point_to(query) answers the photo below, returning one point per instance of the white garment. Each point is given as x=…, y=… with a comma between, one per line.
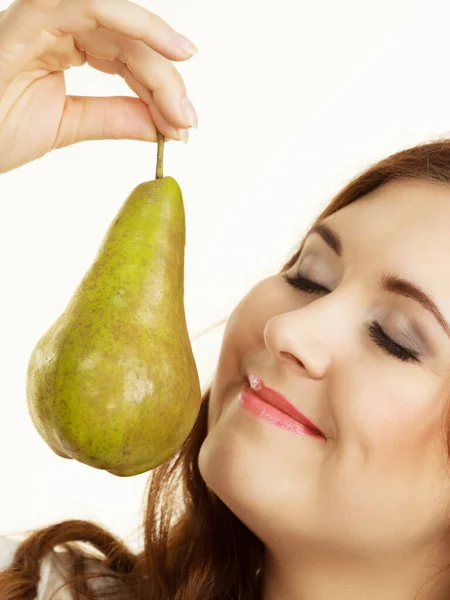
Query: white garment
x=7, y=548
x=52, y=571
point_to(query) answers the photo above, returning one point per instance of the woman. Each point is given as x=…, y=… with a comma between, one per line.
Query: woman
x=354, y=332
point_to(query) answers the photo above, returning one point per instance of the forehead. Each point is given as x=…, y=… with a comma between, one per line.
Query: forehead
x=397, y=217
x=402, y=228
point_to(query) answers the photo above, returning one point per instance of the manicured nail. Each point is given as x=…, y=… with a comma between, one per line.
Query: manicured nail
x=184, y=135
x=189, y=112
x=183, y=43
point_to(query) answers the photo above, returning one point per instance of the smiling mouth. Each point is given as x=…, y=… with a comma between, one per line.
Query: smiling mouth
x=281, y=403
x=252, y=401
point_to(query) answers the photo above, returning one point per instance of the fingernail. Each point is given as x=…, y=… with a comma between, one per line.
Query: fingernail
x=183, y=43
x=189, y=112
x=184, y=135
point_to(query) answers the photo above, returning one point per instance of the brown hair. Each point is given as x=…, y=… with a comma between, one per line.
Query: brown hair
x=203, y=551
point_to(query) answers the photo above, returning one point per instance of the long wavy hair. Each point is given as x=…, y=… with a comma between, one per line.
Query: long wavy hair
x=196, y=550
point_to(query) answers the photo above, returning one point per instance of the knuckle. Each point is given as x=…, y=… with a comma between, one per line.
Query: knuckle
x=175, y=75
x=155, y=21
x=95, y=7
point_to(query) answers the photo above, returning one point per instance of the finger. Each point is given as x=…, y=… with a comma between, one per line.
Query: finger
x=152, y=70
x=125, y=18
x=117, y=67
x=20, y=27
x=161, y=123
x=95, y=118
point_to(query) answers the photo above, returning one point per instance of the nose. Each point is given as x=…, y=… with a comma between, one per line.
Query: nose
x=292, y=343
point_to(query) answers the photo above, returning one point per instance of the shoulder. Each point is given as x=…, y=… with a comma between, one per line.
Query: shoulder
x=50, y=572
x=56, y=568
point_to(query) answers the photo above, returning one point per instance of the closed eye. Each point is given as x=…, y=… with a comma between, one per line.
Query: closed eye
x=376, y=333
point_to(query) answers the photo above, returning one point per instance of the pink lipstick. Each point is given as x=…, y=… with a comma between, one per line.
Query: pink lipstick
x=270, y=405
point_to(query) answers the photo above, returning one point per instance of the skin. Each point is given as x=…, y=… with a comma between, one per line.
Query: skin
x=362, y=513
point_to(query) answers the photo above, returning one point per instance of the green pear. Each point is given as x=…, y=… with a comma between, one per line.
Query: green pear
x=113, y=383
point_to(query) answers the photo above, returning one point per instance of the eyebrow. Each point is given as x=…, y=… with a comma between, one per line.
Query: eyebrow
x=389, y=282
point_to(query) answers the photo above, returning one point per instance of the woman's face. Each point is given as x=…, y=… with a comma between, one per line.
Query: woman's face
x=378, y=483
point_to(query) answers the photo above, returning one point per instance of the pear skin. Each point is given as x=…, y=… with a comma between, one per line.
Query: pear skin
x=113, y=383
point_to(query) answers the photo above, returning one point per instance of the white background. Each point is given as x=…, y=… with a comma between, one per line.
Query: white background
x=294, y=98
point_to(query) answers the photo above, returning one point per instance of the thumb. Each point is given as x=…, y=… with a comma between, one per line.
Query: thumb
x=96, y=118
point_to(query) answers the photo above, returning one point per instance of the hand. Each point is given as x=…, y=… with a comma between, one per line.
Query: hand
x=39, y=39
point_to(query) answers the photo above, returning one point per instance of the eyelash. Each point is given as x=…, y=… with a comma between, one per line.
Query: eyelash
x=375, y=331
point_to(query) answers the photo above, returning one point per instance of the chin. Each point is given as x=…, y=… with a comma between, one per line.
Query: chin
x=229, y=465
x=227, y=474
x=222, y=479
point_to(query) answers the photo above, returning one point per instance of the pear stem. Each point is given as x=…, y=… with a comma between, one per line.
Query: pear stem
x=160, y=156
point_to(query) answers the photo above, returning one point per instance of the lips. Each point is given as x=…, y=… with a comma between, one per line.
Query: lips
x=280, y=402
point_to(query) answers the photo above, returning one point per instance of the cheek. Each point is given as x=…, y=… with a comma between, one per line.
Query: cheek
x=244, y=333
x=243, y=340
x=239, y=338
x=398, y=425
